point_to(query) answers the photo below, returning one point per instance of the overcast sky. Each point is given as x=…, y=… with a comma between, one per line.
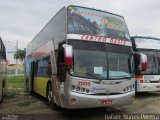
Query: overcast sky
x=22, y=19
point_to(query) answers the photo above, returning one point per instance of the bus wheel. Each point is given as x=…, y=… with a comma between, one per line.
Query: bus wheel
x=50, y=100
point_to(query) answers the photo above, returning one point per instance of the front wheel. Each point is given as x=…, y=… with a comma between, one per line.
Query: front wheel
x=50, y=99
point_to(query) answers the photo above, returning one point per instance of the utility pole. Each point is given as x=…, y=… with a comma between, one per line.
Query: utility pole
x=16, y=72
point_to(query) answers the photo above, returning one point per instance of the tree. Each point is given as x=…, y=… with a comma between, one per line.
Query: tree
x=20, y=54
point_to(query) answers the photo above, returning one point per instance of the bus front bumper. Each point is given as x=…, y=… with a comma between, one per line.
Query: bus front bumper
x=148, y=87
x=76, y=100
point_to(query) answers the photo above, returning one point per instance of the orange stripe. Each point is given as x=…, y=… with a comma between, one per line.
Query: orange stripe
x=141, y=81
x=139, y=76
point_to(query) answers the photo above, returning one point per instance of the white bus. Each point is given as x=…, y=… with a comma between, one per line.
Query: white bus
x=82, y=59
x=148, y=80
x=3, y=70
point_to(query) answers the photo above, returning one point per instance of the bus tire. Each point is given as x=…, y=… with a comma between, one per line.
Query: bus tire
x=50, y=99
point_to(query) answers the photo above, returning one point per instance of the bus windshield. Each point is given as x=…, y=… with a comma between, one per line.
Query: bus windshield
x=153, y=62
x=94, y=22
x=99, y=60
x=151, y=48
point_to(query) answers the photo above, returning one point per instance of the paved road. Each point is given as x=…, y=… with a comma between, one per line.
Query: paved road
x=34, y=108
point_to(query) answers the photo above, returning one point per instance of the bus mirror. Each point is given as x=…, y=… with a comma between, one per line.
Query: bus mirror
x=68, y=55
x=140, y=61
x=143, y=62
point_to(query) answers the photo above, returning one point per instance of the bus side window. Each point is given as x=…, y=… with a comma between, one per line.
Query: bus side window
x=61, y=74
x=42, y=67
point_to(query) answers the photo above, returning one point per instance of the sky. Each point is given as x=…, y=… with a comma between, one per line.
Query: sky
x=21, y=20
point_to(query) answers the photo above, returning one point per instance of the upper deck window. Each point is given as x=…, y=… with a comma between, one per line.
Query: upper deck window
x=147, y=43
x=87, y=21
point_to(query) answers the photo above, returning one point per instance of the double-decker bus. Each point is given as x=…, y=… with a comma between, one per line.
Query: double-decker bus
x=3, y=70
x=148, y=80
x=82, y=59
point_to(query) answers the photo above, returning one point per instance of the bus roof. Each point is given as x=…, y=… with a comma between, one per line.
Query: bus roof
x=65, y=7
x=45, y=26
x=145, y=37
x=97, y=9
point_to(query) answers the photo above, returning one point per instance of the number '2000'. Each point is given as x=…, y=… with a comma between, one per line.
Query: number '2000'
x=84, y=83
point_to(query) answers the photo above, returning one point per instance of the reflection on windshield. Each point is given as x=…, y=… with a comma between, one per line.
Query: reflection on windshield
x=93, y=22
x=93, y=60
x=153, y=62
x=118, y=66
x=90, y=62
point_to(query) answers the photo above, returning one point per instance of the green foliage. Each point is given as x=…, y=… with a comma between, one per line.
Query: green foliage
x=20, y=54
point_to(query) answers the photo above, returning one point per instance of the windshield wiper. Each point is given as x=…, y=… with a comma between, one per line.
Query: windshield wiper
x=122, y=76
x=93, y=76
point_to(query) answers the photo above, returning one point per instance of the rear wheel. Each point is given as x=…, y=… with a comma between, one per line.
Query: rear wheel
x=50, y=99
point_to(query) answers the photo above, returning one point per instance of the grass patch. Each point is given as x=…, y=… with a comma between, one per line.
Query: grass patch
x=15, y=82
x=15, y=86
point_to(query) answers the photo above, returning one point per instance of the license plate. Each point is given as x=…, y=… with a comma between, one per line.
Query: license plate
x=106, y=102
x=158, y=86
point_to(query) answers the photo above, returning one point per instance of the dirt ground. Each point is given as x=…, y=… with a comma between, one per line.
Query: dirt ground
x=32, y=107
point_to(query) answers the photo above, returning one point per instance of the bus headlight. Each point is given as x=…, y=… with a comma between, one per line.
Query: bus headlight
x=128, y=89
x=72, y=87
x=79, y=89
x=87, y=91
x=82, y=89
x=131, y=87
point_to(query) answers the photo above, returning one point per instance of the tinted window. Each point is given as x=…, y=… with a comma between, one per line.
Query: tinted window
x=43, y=67
x=93, y=22
x=103, y=61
